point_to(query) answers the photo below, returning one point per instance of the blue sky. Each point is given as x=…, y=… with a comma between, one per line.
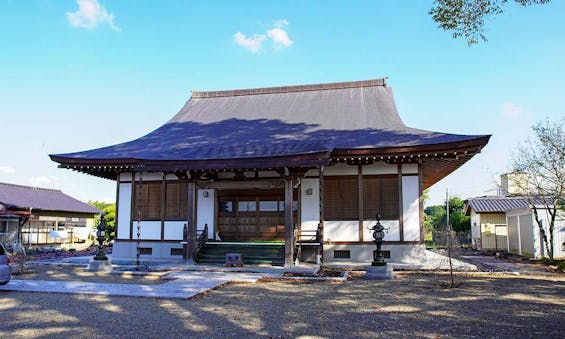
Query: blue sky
x=79, y=77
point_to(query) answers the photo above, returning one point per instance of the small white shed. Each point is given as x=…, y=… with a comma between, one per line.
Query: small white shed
x=524, y=237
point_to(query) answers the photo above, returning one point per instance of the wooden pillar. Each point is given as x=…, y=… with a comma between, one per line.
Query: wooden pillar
x=360, y=199
x=400, y=204
x=191, y=222
x=288, y=223
x=321, y=198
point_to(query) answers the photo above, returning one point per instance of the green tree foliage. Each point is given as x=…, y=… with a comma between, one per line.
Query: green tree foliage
x=466, y=18
x=435, y=216
x=109, y=211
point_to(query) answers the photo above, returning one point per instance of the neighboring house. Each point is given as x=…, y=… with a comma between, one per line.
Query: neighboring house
x=42, y=216
x=507, y=223
x=256, y=164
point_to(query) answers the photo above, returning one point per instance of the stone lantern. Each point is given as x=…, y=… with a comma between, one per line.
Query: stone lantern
x=378, y=236
x=101, y=237
x=100, y=262
x=378, y=269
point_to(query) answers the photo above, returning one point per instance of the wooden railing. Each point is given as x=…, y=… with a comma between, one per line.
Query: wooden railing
x=201, y=240
x=313, y=237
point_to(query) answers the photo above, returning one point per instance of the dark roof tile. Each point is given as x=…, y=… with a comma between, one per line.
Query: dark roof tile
x=276, y=122
x=25, y=197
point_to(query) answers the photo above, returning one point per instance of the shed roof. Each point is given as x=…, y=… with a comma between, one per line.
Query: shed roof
x=292, y=125
x=495, y=204
x=25, y=197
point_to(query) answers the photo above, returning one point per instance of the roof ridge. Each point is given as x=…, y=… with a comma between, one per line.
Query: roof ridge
x=289, y=89
x=32, y=187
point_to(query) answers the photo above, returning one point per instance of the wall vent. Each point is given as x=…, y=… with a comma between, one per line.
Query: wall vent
x=146, y=250
x=342, y=254
x=177, y=252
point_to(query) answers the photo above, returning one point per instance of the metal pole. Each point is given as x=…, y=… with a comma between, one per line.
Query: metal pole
x=449, y=238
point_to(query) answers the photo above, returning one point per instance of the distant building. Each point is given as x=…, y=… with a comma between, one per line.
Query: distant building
x=512, y=184
x=507, y=223
x=33, y=216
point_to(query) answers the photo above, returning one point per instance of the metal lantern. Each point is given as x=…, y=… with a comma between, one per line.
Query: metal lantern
x=101, y=236
x=378, y=235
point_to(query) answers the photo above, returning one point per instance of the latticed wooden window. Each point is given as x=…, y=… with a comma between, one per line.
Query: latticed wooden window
x=148, y=200
x=381, y=196
x=341, y=198
x=176, y=201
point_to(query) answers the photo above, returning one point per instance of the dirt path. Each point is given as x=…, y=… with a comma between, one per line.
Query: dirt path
x=483, y=306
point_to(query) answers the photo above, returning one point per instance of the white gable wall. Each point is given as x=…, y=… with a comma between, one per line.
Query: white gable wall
x=124, y=210
x=205, y=211
x=411, y=207
x=310, y=204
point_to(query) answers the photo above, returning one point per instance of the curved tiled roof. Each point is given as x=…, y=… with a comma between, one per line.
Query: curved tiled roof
x=26, y=197
x=265, y=123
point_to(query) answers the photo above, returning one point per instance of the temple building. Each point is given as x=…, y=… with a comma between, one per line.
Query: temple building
x=302, y=169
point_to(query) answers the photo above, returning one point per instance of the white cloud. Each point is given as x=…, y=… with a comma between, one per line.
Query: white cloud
x=278, y=35
x=510, y=110
x=45, y=182
x=280, y=23
x=90, y=14
x=253, y=43
x=5, y=170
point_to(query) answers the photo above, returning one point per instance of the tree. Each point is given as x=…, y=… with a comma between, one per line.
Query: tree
x=466, y=18
x=540, y=163
x=109, y=211
x=436, y=216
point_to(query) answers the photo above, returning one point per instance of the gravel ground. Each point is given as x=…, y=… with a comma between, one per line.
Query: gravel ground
x=413, y=305
x=77, y=273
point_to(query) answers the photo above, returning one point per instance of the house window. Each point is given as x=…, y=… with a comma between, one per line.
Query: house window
x=226, y=206
x=341, y=198
x=268, y=206
x=246, y=206
x=148, y=200
x=381, y=196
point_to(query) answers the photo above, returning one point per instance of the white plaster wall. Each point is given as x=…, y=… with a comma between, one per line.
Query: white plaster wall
x=393, y=233
x=148, y=176
x=379, y=168
x=475, y=225
x=125, y=176
x=364, y=253
x=205, y=212
x=125, y=252
x=347, y=230
x=411, y=208
x=150, y=230
x=310, y=204
x=340, y=169
x=410, y=168
x=124, y=210
x=312, y=172
x=173, y=230
x=268, y=174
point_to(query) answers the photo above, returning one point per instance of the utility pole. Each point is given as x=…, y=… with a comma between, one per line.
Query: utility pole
x=448, y=225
